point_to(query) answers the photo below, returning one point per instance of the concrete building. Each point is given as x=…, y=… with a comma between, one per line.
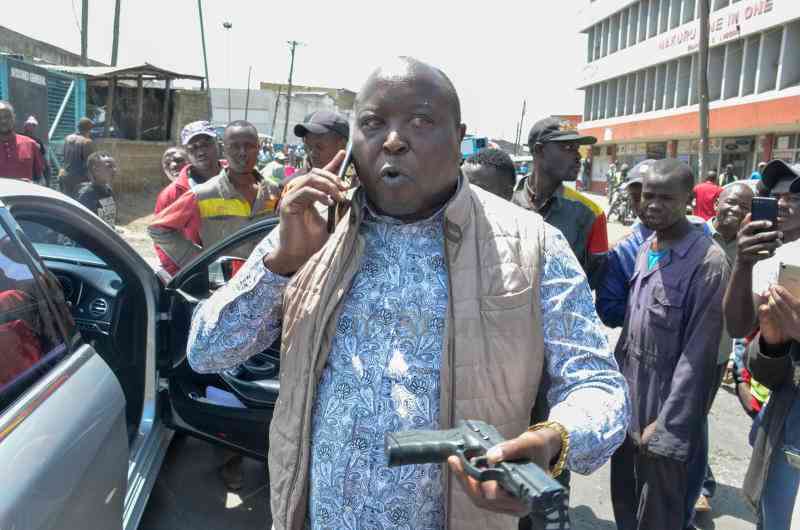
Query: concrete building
x=270, y=118
x=640, y=81
x=34, y=50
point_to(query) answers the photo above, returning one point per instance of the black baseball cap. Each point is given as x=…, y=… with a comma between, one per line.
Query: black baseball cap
x=780, y=177
x=557, y=130
x=321, y=122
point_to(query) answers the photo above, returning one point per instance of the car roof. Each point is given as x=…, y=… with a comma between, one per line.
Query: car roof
x=20, y=188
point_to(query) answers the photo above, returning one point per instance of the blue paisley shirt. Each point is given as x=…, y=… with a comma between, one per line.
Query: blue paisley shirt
x=382, y=373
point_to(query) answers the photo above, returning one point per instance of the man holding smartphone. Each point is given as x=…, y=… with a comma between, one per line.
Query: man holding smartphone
x=431, y=302
x=755, y=300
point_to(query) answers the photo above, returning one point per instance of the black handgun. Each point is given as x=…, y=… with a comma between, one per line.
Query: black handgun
x=469, y=441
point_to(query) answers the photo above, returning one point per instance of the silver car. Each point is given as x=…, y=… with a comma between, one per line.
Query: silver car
x=93, y=376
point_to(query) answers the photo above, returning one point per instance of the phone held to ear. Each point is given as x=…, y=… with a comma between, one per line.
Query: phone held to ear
x=335, y=210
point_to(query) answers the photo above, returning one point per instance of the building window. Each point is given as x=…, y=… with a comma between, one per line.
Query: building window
x=675, y=13
x=653, y=18
x=770, y=57
x=689, y=7
x=633, y=24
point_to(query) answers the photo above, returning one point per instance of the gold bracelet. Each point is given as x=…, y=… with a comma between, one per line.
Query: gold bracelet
x=562, y=457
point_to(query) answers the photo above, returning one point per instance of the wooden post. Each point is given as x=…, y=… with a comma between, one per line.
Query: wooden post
x=112, y=87
x=139, y=106
x=165, y=108
x=115, y=42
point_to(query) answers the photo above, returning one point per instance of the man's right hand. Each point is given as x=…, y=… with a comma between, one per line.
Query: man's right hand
x=303, y=230
x=756, y=241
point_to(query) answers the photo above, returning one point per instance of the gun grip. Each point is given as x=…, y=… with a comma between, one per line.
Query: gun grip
x=480, y=470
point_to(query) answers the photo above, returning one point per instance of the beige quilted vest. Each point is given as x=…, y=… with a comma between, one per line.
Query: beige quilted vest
x=493, y=350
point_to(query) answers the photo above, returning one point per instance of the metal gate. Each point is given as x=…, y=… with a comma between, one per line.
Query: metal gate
x=66, y=104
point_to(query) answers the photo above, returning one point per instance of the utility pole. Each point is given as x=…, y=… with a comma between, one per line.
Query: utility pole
x=702, y=90
x=293, y=44
x=85, y=33
x=275, y=114
x=521, y=125
x=247, y=98
x=115, y=43
x=205, y=58
x=228, y=26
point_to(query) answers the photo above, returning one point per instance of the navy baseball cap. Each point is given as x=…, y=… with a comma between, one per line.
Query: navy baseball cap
x=780, y=177
x=557, y=130
x=321, y=122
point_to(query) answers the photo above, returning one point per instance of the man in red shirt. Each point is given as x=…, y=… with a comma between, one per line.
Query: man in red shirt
x=19, y=155
x=705, y=197
x=200, y=140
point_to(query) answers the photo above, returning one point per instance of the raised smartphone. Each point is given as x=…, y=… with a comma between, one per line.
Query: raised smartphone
x=764, y=209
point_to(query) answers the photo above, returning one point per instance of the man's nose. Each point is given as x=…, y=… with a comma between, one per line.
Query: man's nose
x=395, y=144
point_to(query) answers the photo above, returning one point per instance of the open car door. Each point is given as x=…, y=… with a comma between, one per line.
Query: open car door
x=232, y=408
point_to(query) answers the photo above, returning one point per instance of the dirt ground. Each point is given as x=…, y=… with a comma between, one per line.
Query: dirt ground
x=134, y=213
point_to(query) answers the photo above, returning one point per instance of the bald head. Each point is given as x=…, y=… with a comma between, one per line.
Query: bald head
x=737, y=188
x=733, y=205
x=407, y=139
x=7, y=118
x=6, y=105
x=401, y=71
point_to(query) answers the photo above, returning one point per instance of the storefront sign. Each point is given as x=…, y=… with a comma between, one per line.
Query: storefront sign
x=738, y=145
x=721, y=27
x=737, y=20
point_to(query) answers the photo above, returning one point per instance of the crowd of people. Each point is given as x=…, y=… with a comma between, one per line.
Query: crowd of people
x=450, y=290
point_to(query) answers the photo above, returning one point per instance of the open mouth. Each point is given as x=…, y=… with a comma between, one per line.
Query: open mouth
x=392, y=175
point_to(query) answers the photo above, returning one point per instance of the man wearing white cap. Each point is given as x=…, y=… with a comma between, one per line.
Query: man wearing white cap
x=29, y=130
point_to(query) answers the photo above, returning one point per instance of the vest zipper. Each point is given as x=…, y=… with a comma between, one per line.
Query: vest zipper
x=451, y=366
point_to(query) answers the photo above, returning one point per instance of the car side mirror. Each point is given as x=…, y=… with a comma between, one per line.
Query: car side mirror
x=223, y=269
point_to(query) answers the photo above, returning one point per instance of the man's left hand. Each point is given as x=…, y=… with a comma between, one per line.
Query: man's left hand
x=541, y=447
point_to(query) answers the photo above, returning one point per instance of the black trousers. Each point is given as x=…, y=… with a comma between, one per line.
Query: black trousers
x=648, y=492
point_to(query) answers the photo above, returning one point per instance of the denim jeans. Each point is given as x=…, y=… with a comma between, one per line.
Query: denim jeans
x=780, y=491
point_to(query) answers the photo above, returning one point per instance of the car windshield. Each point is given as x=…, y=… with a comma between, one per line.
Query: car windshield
x=50, y=244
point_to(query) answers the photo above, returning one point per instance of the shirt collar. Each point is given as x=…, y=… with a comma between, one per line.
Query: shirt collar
x=684, y=245
x=549, y=204
x=226, y=188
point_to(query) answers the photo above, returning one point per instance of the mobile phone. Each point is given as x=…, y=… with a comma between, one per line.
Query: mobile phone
x=764, y=209
x=789, y=278
x=334, y=209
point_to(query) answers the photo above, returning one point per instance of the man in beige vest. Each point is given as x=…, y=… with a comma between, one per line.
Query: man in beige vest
x=432, y=302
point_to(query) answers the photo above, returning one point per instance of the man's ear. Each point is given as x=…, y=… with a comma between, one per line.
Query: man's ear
x=462, y=131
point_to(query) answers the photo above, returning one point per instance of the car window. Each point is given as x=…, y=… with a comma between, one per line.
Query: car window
x=30, y=341
x=51, y=243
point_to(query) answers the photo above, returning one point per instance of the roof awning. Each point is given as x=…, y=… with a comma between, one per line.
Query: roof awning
x=146, y=71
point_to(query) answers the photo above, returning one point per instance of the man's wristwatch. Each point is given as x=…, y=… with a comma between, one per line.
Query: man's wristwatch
x=561, y=463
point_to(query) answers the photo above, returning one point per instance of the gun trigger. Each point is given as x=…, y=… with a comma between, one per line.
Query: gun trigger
x=480, y=470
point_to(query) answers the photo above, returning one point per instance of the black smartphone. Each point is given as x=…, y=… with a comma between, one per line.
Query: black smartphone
x=334, y=209
x=764, y=209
